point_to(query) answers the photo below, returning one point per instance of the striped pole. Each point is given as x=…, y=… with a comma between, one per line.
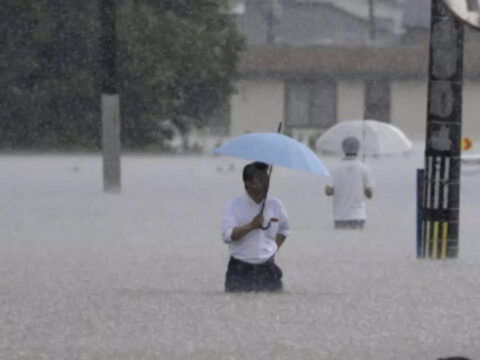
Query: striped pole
x=420, y=244
x=441, y=190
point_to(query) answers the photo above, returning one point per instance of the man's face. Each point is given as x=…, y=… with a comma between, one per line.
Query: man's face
x=257, y=187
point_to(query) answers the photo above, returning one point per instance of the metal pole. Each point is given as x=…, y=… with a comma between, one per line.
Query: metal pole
x=441, y=194
x=420, y=244
x=371, y=16
x=110, y=99
x=270, y=20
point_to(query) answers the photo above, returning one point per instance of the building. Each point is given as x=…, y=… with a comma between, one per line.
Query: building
x=313, y=63
x=312, y=88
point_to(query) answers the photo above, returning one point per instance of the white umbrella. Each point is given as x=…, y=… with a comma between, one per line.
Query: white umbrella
x=376, y=138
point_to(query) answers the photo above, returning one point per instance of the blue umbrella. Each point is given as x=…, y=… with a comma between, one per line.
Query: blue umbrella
x=274, y=149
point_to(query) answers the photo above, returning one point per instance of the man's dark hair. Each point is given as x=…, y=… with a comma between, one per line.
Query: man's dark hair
x=251, y=169
x=350, y=146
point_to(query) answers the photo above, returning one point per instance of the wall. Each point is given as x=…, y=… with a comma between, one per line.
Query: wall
x=471, y=113
x=257, y=106
x=409, y=107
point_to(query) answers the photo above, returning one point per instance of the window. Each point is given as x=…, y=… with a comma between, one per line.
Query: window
x=377, y=100
x=311, y=103
x=298, y=104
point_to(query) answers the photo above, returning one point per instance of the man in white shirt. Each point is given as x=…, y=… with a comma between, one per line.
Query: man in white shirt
x=254, y=227
x=350, y=184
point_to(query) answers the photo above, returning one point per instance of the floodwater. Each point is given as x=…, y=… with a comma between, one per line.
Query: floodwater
x=139, y=275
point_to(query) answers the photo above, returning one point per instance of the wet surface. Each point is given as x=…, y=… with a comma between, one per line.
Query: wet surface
x=139, y=275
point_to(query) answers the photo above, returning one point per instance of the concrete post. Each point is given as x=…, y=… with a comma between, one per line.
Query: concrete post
x=111, y=145
x=111, y=142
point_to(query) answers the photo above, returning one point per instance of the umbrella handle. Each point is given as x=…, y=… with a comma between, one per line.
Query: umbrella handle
x=261, y=211
x=279, y=130
x=266, y=227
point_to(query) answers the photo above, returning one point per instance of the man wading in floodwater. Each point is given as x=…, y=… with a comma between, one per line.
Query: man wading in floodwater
x=350, y=184
x=252, y=241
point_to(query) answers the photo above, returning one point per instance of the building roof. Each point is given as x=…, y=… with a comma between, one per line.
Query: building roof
x=314, y=22
x=346, y=61
x=360, y=8
x=413, y=13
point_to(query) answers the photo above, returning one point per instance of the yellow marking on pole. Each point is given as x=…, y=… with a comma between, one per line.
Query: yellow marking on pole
x=427, y=238
x=435, y=239
x=422, y=241
x=444, y=239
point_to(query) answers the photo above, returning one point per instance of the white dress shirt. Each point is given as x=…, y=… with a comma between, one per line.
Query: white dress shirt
x=258, y=245
x=349, y=181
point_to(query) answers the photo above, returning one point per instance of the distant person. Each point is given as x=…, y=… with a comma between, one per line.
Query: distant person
x=254, y=236
x=350, y=184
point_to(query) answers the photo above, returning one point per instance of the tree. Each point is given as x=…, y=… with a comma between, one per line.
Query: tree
x=176, y=59
x=47, y=75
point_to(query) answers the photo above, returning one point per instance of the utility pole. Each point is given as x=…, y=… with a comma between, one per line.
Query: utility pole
x=371, y=17
x=271, y=12
x=441, y=181
x=111, y=145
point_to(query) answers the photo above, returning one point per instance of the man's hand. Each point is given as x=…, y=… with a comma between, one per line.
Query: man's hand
x=280, y=239
x=329, y=190
x=368, y=193
x=241, y=231
x=257, y=221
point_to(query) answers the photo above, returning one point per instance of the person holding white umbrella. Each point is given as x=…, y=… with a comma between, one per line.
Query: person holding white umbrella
x=349, y=185
x=376, y=138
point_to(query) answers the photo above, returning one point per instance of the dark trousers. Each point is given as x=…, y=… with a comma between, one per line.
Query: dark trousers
x=349, y=224
x=242, y=276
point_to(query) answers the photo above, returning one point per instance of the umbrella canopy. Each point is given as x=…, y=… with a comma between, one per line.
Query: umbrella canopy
x=274, y=149
x=376, y=138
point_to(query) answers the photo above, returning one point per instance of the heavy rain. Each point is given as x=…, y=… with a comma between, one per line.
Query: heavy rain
x=116, y=167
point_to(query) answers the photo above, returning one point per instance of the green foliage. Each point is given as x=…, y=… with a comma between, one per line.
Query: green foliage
x=48, y=94
x=176, y=60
